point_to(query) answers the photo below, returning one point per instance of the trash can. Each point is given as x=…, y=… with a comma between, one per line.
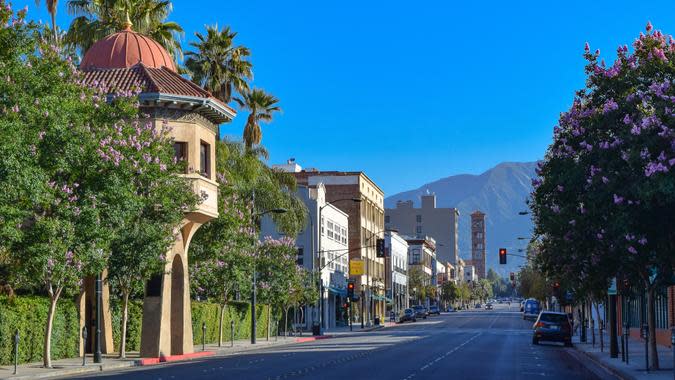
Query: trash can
x=316, y=329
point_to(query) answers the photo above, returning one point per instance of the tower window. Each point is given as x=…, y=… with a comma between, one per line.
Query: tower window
x=205, y=159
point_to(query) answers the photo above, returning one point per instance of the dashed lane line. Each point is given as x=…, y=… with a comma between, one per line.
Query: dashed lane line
x=439, y=358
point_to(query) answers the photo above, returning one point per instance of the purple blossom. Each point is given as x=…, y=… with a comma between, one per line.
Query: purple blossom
x=605, y=180
x=555, y=209
x=626, y=119
x=572, y=222
x=643, y=241
x=16, y=108
x=632, y=250
x=618, y=200
x=609, y=106
x=655, y=167
x=599, y=236
x=561, y=188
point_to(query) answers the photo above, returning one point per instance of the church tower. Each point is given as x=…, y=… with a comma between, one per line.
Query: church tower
x=478, y=243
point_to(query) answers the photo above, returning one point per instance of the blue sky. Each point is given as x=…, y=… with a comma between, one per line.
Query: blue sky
x=413, y=92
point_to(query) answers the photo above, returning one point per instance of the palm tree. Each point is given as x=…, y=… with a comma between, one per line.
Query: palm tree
x=51, y=8
x=218, y=65
x=261, y=106
x=96, y=19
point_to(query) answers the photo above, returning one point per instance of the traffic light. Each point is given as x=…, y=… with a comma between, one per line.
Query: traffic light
x=556, y=285
x=350, y=290
x=513, y=277
x=380, y=247
x=502, y=255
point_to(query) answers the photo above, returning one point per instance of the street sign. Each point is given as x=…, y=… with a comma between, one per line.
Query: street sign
x=356, y=267
x=612, y=287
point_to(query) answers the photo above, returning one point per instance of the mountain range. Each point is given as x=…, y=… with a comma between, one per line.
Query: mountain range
x=500, y=193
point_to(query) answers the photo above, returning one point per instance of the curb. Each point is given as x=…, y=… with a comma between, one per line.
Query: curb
x=313, y=338
x=76, y=371
x=614, y=371
x=173, y=358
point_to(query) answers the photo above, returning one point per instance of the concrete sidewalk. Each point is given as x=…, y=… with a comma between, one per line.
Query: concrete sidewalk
x=635, y=369
x=73, y=366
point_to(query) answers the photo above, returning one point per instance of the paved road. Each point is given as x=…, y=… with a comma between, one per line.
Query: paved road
x=465, y=345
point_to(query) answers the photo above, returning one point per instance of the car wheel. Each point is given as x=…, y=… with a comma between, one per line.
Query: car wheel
x=535, y=341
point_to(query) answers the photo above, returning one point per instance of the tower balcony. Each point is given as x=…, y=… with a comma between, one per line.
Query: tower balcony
x=207, y=190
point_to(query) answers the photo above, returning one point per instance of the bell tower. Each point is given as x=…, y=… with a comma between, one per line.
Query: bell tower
x=478, y=243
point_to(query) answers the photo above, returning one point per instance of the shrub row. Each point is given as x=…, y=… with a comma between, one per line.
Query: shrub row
x=29, y=315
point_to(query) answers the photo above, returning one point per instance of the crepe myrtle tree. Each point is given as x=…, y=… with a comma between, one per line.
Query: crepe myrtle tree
x=76, y=165
x=604, y=202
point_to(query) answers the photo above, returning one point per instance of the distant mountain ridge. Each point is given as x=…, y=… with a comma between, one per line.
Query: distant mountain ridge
x=499, y=192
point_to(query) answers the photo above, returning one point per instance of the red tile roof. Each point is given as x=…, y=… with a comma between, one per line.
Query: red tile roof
x=151, y=80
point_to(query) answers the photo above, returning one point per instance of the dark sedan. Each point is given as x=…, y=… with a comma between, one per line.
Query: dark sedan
x=420, y=311
x=408, y=315
x=554, y=327
x=433, y=309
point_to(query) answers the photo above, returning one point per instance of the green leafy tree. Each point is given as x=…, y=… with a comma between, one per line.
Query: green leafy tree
x=69, y=174
x=261, y=107
x=417, y=283
x=218, y=65
x=95, y=19
x=52, y=6
x=449, y=292
x=605, y=197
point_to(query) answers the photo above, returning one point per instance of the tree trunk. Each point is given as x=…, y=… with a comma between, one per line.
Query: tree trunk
x=651, y=321
x=286, y=323
x=220, y=325
x=123, y=327
x=47, y=349
x=269, y=322
x=56, y=36
x=597, y=312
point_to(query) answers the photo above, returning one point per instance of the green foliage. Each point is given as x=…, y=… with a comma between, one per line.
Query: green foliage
x=218, y=65
x=261, y=107
x=29, y=315
x=96, y=19
x=239, y=312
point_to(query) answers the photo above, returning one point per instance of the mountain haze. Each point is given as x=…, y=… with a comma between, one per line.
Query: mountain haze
x=499, y=192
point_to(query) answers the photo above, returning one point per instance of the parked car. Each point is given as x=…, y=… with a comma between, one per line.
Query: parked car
x=450, y=309
x=552, y=326
x=488, y=306
x=531, y=309
x=478, y=306
x=407, y=315
x=433, y=309
x=420, y=311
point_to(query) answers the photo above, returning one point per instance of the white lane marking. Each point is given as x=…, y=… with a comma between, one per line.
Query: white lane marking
x=429, y=364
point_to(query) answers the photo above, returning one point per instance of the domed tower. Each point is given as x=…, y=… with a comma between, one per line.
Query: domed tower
x=123, y=61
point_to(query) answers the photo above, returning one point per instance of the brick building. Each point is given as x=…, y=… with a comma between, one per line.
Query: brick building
x=478, y=243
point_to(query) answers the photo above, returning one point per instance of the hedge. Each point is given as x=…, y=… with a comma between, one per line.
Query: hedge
x=29, y=315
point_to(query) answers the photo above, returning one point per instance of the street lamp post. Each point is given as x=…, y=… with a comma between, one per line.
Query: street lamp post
x=253, y=290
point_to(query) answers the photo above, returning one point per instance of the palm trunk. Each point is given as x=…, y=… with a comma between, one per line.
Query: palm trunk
x=220, y=325
x=123, y=327
x=47, y=349
x=56, y=36
x=651, y=320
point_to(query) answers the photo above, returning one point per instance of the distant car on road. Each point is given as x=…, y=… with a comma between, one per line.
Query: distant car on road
x=433, y=309
x=488, y=306
x=408, y=315
x=552, y=326
x=420, y=311
x=478, y=306
x=450, y=309
x=531, y=309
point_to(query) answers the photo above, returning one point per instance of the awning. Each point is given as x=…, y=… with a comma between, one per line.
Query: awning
x=338, y=291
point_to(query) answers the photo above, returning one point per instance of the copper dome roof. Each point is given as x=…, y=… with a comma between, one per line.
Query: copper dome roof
x=125, y=49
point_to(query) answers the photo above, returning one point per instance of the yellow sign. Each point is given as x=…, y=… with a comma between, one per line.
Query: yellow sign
x=356, y=267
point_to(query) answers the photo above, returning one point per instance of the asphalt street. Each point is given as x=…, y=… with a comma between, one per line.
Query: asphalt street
x=465, y=345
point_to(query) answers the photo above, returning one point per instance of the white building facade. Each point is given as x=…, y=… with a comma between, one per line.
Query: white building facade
x=397, y=272
x=322, y=248
x=470, y=273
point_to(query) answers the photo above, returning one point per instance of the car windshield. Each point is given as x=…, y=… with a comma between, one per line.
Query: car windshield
x=556, y=318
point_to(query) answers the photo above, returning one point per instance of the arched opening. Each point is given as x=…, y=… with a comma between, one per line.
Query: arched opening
x=177, y=304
